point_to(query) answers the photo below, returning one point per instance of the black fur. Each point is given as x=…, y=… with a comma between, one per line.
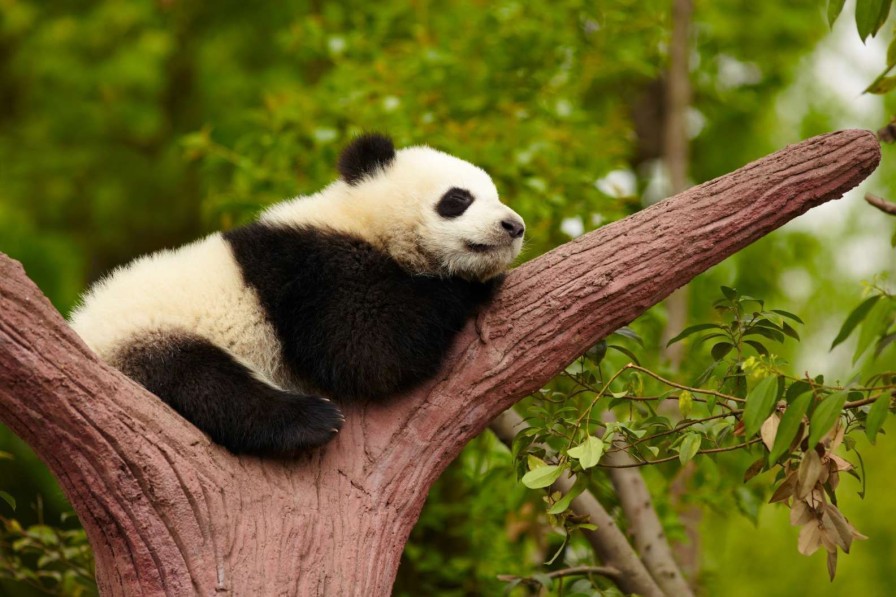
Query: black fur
x=454, y=203
x=222, y=398
x=364, y=156
x=353, y=324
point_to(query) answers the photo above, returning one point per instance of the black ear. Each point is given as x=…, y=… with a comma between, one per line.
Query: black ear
x=364, y=156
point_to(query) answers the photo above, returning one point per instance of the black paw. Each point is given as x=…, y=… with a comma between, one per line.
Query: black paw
x=315, y=423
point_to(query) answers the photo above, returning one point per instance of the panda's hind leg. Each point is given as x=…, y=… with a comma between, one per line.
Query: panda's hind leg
x=223, y=398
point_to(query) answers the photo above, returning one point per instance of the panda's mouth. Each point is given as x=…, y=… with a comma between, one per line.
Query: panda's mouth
x=480, y=248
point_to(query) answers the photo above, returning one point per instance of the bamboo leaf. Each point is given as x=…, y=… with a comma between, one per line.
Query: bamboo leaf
x=835, y=7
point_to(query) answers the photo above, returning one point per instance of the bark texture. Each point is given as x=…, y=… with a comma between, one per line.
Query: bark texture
x=167, y=512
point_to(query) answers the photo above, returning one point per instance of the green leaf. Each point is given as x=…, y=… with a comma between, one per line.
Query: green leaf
x=757, y=346
x=825, y=415
x=854, y=319
x=542, y=476
x=693, y=330
x=881, y=85
x=689, y=447
x=790, y=423
x=872, y=327
x=891, y=54
x=729, y=293
x=790, y=331
x=626, y=352
x=8, y=499
x=870, y=16
x=797, y=388
x=834, y=9
x=787, y=314
x=720, y=350
x=883, y=343
x=685, y=403
x=760, y=402
x=563, y=503
x=876, y=416
x=588, y=453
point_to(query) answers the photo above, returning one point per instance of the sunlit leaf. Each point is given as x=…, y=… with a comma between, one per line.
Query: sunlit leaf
x=689, y=447
x=787, y=314
x=685, y=403
x=542, y=476
x=588, y=453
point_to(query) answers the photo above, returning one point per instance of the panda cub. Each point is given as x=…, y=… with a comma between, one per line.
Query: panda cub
x=353, y=293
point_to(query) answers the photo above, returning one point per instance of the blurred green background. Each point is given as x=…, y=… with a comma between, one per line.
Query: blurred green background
x=127, y=126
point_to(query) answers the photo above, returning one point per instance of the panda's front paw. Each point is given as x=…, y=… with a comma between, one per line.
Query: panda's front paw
x=317, y=420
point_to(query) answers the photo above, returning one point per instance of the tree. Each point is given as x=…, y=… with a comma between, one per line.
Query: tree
x=165, y=510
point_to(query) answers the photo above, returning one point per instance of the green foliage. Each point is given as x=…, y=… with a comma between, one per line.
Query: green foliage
x=128, y=127
x=801, y=421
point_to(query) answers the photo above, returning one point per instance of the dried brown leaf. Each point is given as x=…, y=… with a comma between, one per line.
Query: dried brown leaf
x=809, y=471
x=809, y=540
x=836, y=435
x=754, y=469
x=834, y=518
x=815, y=499
x=834, y=480
x=832, y=564
x=784, y=490
x=841, y=463
x=769, y=430
x=801, y=513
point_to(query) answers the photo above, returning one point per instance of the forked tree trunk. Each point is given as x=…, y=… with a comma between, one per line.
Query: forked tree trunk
x=167, y=512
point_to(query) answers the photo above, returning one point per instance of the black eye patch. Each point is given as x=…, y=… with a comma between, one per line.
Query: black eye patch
x=454, y=203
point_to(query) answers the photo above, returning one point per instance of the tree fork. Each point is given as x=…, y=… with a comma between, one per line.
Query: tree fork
x=168, y=512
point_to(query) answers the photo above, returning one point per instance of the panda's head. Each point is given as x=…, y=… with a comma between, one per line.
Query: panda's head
x=434, y=213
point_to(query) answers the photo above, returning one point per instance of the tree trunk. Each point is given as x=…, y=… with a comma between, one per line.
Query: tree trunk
x=168, y=512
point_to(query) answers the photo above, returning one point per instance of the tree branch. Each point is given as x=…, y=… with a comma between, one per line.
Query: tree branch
x=167, y=511
x=881, y=204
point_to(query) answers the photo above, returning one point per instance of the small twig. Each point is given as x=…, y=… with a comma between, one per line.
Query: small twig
x=682, y=387
x=607, y=571
x=671, y=458
x=882, y=204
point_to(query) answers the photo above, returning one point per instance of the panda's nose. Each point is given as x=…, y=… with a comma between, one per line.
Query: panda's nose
x=514, y=228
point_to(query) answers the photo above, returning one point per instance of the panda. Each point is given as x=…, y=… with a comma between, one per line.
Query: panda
x=354, y=293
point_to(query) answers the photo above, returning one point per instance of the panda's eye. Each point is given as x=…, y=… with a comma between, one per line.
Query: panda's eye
x=454, y=203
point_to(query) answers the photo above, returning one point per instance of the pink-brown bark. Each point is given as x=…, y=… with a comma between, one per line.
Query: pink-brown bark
x=167, y=512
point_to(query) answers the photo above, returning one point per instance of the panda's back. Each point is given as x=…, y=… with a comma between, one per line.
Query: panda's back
x=197, y=289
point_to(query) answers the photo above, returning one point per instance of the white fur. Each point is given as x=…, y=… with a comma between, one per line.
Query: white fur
x=199, y=289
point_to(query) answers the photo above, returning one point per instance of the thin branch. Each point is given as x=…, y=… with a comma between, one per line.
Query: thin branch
x=882, y=204
x=606, y=571
x=673, y=458
x=683, y=387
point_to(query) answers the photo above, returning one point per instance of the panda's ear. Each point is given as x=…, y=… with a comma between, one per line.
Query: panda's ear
x=364, y=156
